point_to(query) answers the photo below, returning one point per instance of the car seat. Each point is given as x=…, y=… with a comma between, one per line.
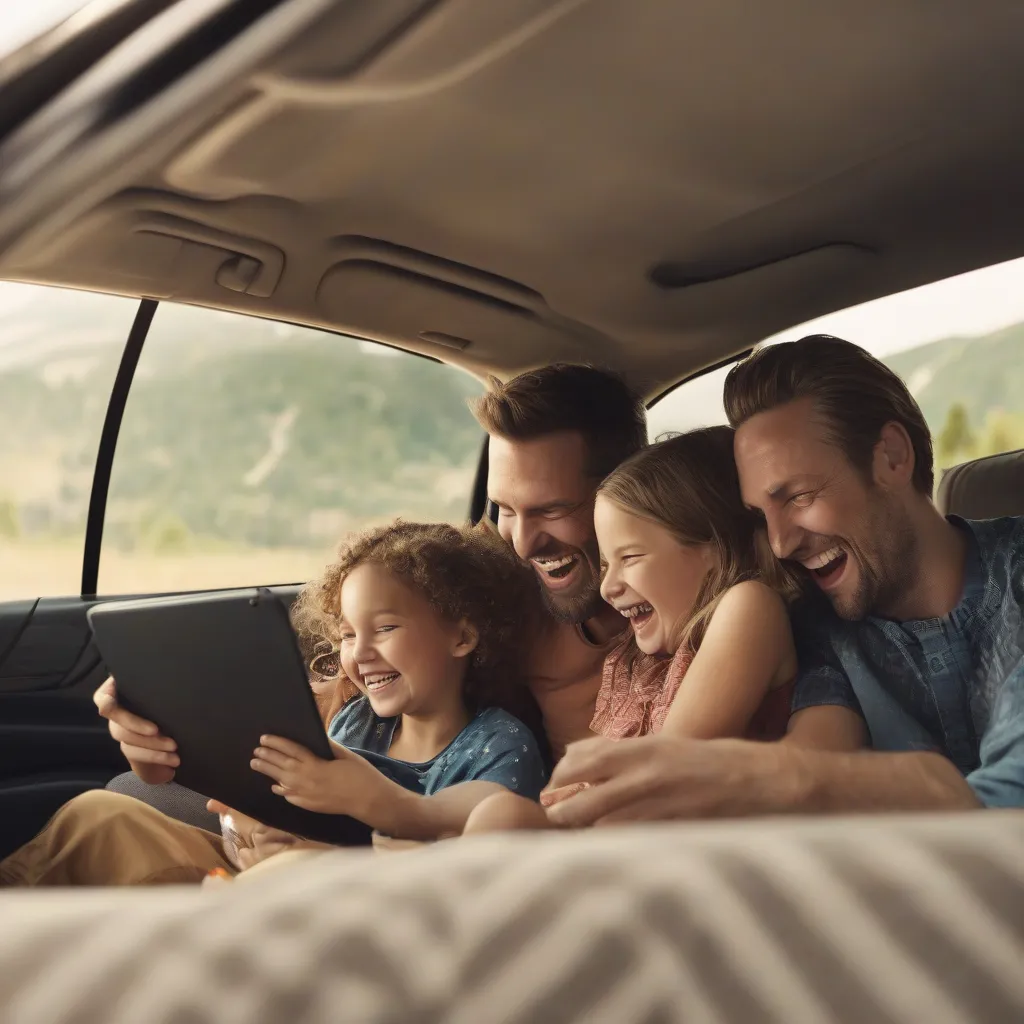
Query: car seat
x=984, y=488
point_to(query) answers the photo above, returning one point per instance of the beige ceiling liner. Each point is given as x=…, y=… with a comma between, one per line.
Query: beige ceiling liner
x=653, y=185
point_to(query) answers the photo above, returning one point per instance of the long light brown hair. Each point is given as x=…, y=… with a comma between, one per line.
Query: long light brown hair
x=688, y=485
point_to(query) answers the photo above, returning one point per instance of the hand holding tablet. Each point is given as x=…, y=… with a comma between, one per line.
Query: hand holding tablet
x=217, y=672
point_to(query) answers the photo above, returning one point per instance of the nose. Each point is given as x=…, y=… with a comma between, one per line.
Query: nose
x=611, y=585
x=524, y=537
x=783, y=534
x=362, y=650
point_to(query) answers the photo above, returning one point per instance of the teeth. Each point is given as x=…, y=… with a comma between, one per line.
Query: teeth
x=382, y=679
x=817, y=561
x=549, y=565
x=634, y=610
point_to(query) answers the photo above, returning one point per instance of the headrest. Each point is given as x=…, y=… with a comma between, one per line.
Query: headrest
x=985, y=488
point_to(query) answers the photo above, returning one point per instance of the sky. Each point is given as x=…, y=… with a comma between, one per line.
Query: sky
x=969, y=305
x=972, y=304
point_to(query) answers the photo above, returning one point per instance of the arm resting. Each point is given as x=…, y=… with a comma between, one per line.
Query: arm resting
x=826, y=782
x=402, y=814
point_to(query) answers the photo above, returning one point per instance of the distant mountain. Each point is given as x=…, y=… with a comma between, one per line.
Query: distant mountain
x=984, y=374
x=239, y=429
x=235, y=430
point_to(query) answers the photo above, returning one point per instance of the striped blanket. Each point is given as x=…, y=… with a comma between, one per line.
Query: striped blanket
x=880, y=920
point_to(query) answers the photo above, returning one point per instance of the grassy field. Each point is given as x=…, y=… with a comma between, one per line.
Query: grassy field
x=52, y=569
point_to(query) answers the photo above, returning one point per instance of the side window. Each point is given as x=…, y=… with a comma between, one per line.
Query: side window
x=694, y=403
x=958, y=344
x=59, y=353
x=249, y=448
x=971, y=391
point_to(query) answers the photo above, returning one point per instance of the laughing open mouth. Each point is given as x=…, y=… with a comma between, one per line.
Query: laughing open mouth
x=379, y=681
x=638, y=614
x=556, y=568
x=828, y=565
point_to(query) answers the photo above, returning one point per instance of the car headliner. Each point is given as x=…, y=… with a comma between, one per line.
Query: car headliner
x=651, y=185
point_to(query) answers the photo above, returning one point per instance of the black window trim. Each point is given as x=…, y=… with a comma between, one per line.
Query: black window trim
x=703, y=372
x=118, y=401
x=108, y=444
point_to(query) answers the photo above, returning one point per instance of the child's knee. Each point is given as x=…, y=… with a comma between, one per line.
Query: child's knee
x=503, y=812
x=76, y=839
x=92, y=809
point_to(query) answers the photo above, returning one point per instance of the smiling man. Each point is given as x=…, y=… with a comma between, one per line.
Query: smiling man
x=554, y=434
x=913, y=636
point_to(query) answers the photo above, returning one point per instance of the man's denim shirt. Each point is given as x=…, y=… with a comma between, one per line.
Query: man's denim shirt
x=954, y=685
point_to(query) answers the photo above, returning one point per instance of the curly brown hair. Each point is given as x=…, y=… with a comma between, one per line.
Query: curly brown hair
x=465, y=574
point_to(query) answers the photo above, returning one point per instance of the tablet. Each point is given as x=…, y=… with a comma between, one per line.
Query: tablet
x=216, y=671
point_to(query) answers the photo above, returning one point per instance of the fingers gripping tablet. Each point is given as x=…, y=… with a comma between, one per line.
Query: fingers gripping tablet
x=215, y=672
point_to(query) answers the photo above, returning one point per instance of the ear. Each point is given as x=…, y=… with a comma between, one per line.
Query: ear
x=893, y=464
x=709, y=557
x=467, y=637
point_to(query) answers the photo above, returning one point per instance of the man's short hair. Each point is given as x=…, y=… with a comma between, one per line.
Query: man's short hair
x=855, y=393
x=568, y=397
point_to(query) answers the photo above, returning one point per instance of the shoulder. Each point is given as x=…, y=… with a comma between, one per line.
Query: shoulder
x=996, y=536
x=354, y=709
x=751, y=601
x=353, y=722
x=1000, y=547
x=499, y=729
x=758, y=617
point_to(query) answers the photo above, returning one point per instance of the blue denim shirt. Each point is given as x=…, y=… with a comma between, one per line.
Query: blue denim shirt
x=953, y=684
x=494, y=747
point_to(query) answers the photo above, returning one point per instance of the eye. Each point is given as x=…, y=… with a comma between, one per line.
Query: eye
x=560, y=511
x=347, y=638
x=801, y=500
x=385, y=629
x=626, y=559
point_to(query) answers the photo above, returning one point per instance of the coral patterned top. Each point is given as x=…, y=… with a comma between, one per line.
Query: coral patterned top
x=637, y=691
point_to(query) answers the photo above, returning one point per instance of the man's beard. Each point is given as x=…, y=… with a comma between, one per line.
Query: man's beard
x=583, y=603
x=888, y=571
x=573, y=609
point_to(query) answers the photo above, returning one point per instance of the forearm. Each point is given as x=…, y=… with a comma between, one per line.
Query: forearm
x=405, y=815
x=821, y=782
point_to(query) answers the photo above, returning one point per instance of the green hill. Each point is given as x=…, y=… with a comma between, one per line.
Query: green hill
x=236, y=430
x=982, y=376
x=246, y=431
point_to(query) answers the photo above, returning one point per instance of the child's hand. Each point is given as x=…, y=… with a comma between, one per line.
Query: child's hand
x=341, y=786
x=252, y=841
x=244, y=825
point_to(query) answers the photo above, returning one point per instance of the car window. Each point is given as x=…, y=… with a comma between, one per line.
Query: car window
x=250, y=447
x=694, y=403
x=59, y=353
x=959, y=345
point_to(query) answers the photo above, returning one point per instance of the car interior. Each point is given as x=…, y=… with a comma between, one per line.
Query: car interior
x=654, y=187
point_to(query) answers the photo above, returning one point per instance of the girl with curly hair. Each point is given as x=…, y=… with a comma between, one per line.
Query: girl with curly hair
x=428, y=625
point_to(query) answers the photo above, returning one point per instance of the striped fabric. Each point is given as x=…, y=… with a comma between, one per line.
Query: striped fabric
x=876, y=920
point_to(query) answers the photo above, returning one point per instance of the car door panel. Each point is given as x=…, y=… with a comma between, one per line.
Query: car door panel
x=53, y=744
x=43, y=647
